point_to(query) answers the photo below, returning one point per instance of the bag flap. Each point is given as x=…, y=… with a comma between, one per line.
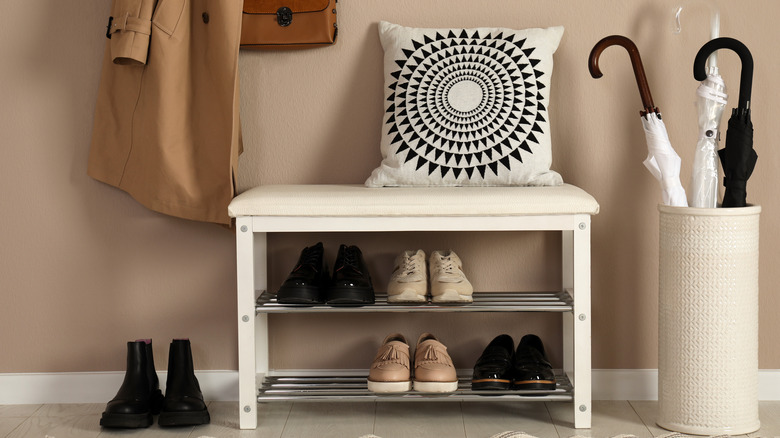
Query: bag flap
x=296, y=6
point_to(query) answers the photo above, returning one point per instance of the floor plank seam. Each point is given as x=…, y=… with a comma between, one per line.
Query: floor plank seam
x=373, y=425
x=644, y=423
x=463, y=421
x=286, y=419
x=17, y=427
x=552, y=421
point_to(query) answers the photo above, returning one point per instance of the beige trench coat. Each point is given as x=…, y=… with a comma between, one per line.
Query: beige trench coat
x=167, y=125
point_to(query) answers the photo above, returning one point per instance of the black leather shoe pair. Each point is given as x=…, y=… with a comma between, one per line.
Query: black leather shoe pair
x=139, y=397
x=501, y=367
x=309, y=282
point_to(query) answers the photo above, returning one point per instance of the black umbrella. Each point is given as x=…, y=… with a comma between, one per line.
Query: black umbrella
x=738, y=157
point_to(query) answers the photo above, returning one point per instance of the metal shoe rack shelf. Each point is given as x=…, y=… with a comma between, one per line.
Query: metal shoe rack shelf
x=258, y=383
x=351, y=387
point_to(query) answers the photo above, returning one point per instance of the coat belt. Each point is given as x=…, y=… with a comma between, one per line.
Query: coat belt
x=132, y=24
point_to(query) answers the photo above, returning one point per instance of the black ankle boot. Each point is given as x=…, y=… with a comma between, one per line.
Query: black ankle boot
x=139, y=396
x=183, y=404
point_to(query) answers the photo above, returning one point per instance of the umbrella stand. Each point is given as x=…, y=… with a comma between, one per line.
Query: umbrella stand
x=662, y=161
x=738, y=157
x=708, y=290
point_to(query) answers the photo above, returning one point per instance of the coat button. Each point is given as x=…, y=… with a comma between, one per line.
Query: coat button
x=205, y=17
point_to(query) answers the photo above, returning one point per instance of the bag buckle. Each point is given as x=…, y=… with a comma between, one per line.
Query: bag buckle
x=108, y=28
x=284, y=16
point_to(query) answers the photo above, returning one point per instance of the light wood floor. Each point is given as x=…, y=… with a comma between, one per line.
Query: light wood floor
x=352, y=420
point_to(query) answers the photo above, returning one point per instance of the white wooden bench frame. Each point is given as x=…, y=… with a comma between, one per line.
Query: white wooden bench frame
x=252, y=279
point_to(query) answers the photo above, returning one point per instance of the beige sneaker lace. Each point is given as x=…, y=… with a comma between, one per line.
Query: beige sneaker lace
x=409, y=267
x=448, y=266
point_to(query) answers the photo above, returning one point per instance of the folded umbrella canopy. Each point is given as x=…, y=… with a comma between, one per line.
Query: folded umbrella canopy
x=711, y=100
x=738, y=157
x=662, y=161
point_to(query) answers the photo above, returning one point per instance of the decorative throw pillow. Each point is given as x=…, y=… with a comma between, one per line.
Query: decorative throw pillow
x=466, y=107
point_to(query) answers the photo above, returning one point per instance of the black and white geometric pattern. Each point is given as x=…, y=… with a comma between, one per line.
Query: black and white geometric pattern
x=466, y=107
x=466, y=103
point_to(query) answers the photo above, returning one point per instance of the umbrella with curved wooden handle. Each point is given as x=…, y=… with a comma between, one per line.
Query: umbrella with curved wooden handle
x=636, y=62
x=662, y=161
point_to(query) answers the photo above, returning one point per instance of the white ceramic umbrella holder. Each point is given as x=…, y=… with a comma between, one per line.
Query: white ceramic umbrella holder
x=708, y=320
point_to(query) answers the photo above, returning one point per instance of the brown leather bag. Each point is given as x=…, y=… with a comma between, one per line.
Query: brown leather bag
x=288, y=24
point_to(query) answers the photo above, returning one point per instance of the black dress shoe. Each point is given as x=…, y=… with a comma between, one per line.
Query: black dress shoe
x=139, y=396
x=351, y=283
x=532, y=369
x=493, y=369
x=307, y=282
x=183, y=404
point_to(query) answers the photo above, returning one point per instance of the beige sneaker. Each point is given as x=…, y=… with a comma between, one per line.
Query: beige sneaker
x=433, y=368
x=390, y=371
x=448, y=282
x=409, y=282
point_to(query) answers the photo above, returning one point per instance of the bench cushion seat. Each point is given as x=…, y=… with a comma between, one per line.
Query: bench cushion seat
x=360, y=201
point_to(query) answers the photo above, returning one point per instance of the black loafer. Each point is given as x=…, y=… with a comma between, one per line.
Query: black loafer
x=532, y=369
x=351, y=283
x=493, y=369
x=307, y=282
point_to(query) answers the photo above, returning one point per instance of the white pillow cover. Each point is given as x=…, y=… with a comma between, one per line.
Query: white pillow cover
x=466, y=107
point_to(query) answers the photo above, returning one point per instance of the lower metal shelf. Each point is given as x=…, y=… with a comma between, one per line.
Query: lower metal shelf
x=354, y=388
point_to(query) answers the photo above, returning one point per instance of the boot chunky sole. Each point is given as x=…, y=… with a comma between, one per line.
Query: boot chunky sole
x=126, y=421
x=188, y=418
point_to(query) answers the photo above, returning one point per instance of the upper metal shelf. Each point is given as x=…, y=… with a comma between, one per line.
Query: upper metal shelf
x=483, y=302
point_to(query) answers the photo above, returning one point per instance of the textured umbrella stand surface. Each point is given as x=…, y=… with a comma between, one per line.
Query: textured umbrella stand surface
x=708, y=305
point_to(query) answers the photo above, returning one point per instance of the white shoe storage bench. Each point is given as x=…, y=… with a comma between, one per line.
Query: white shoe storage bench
x=355, y=208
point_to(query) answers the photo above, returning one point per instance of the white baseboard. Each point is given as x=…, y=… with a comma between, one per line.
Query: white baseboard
x=643, y=384
x=624, y=384
x=99, y=387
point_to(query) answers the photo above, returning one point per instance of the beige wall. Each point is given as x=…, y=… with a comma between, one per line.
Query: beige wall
x=83, y=268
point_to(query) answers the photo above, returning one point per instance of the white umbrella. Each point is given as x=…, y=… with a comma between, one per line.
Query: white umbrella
x=662, y=161
x=711, y=101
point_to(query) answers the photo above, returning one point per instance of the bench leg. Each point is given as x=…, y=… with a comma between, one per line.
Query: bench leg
x=249, y=267
x=577, y=325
